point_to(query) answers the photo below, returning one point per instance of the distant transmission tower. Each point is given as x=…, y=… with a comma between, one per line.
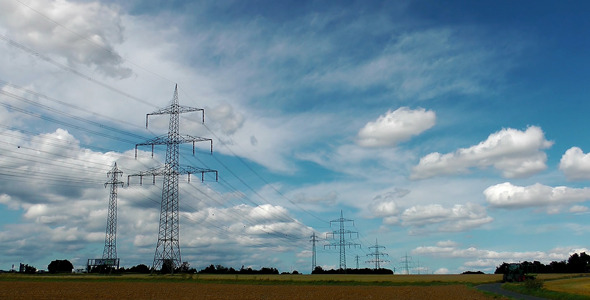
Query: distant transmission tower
x=342, y=243
x=110, y=240
x=314, y=239
x=356, y=258
x=406, y=263
x=376, y=255
x=168, y=247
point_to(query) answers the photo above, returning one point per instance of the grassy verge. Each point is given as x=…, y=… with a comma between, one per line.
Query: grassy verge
x=538, y=291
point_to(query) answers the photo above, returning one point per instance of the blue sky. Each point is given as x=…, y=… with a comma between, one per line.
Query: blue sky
x=454, y=134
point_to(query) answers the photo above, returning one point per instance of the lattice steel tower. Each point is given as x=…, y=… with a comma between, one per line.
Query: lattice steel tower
x=376, y=255
x=342, y=243
x=168, y=247
x=314, y=239
x=110, y=240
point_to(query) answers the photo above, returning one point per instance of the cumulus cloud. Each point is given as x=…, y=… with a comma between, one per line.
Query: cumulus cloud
x=395, y=127
x=457, y=218
x=515, y=153
x=383, y=205
x=575, y=164
x=488, y=260
x=80, y=33
x=507, y=195
x=225, y=118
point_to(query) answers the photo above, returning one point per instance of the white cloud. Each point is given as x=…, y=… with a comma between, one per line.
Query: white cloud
x=575, y=164
x=458, y=218
x=97, y=28
x=227, y=119
x=318, y=197
x=488, y=260
x=384, y=205
x=442, y=271
x=507, y=195
x=383, y=208
x=7, y=200
x=578, y=209
x=516, y=153
x=395, y=127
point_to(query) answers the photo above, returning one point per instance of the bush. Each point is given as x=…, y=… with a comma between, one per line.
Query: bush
x=533, y=284
x=141, y=268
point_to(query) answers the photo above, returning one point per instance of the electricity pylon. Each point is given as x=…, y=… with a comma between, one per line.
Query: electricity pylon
x=314, y=238
x=110, y=240
x=376, y=255
x=342, y=243
x=406, y=263
x=168, y=248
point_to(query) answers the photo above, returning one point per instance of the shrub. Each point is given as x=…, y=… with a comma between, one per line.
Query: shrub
x=533, y=284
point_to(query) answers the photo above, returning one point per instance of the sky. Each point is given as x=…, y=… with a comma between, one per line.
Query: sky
x=453, y=134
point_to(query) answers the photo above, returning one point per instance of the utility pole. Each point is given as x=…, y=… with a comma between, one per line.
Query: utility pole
x=342, y=243
x=376, y=254
x=313, y=255
x=110, y=240
x=357, y=261
x=167, y=254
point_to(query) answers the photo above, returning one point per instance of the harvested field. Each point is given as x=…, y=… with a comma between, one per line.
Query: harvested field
x=198, y=290
x=579, y=286
x=362, y=279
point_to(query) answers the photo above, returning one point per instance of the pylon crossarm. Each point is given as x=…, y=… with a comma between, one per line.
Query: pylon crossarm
x=198, y=139
x=165, y=140
x=194, y=170
x=182, y=170
x=172, y=109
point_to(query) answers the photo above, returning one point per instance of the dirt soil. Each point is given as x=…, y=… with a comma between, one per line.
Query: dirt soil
x=187, y=290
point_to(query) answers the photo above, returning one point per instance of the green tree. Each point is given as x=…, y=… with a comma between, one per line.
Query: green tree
x=60, y=266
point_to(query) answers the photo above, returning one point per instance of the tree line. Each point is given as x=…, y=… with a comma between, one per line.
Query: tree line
x=185, y=268
x=320, y=270
x=576, y=263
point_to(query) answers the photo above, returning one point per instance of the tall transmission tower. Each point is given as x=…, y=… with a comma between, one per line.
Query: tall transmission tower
x=342, y=243
x=314, y=239
x=168, y=248
x=376, y=255
x=110, y=240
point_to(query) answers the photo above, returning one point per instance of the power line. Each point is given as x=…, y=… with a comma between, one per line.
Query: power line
x=75, y=72
x=35, y=53
x=94, y=43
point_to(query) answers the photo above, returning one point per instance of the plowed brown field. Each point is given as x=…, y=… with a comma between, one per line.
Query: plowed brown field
x=189, y=290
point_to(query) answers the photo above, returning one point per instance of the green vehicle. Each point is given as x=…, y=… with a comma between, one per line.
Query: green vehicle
x=516, y=273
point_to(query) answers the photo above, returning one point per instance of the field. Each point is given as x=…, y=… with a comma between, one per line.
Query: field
x=17, y=286
x=186, y=290
x=243, y=287
x=580, y=286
